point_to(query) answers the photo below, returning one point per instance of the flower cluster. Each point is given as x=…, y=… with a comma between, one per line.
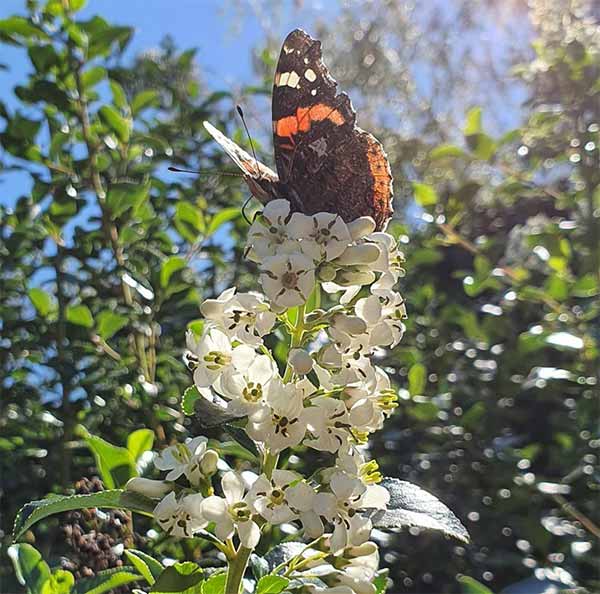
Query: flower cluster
x=328, y=395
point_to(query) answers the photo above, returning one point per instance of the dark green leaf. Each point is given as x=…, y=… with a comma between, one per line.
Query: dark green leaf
x=107, y=580
x=35, y=511
x=472, y=586
x=410, y=505
x=242, y=438
x=169, y=267
x=144, y=99
x=180, y=577
x=93, y=76
x=21, y=27
x=145, y=565
x=222, y=217
x=109, y=323
x=124, y=196
x=271, y=584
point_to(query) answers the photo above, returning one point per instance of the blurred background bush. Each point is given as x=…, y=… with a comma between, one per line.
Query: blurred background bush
x=490, y=114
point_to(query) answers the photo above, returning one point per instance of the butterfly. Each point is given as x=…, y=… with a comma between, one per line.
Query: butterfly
x=324, y=161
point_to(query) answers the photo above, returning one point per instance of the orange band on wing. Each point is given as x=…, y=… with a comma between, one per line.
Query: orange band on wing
x=301, y=122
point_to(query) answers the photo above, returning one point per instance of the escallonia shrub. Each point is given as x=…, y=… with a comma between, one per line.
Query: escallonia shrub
x=330, y=397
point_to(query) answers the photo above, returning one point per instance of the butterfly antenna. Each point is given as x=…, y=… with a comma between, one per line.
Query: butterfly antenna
x=244, y=210
x=241, y=114
x=206, y=171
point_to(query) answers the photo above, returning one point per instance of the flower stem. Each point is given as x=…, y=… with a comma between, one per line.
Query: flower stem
x=236, y=570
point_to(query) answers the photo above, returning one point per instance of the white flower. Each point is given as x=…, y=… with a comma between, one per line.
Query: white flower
x=180, y=517
x=341, y=506
x=242, y=316
x=246, y=383
x=148, y=487
x=300, y=498
x=322, y=236
x=327, y=421
x=232, y=513
x=301, y=361
x=361, y=227
x=383, y=318
x=268, y=497
x=193, y=459
x=389, y=263
x=288, y=279
x=281, y=424
x=360, y=570
x=268, y=234
x=211, y=355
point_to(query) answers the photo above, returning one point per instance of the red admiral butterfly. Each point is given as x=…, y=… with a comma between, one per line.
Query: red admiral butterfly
x=324, y=161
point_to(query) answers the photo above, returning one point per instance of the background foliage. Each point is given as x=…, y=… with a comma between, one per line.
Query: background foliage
x=106, y=256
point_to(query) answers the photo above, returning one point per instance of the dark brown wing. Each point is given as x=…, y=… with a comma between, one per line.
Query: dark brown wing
x=324, y=161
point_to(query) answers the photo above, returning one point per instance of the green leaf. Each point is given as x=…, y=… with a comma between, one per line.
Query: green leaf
x=473, y=122
x=106, y=580
x=242, y=438
x=444, y=151
x=43, y=57
x=116, y=464
x=16, y=25
x=410, y=505
x=140, y=441
x=77, y=36
x=169, y=267
x=80, y=315
x=93, y=76
x=60, y=582
x=34, y=511
x=196, y=326
x=189, y=221
x=42, y=301
x=115, y=121
x=180, y=577
x=271, y=584
x=586, y=286
x=124, y=196
x=381, y=582
x=472, y=586
x=145, y=565
x=144, y=99
x=188, y=400
x=31, y=570
x=215, y=584
x=119, y=97
x=425, y=195
x=222, y=217
x=109, y=323
x=417, y=379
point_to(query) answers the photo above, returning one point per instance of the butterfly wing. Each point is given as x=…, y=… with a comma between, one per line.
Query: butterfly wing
x=262, y=180
x=325, y=162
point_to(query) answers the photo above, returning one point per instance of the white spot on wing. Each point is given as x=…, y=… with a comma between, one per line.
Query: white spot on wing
x=310, y=75
x=313, y=92
x=283, y=79
x=293, y=80
x=287, y=50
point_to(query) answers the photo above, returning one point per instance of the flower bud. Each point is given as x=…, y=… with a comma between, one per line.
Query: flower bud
x=361, y=227
x=326, y=272
x=352, y=325
x=148, y=487
x=347, y=278
x=366, y=253
x=300, y=361
x=208, y=464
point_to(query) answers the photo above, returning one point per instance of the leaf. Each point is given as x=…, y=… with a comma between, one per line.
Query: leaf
x=271, y=584
x=189, y=221
x=144, y=99
x=60, y=582
x=242, y=438
x=446, y=151
x=381, y=582
x=417, y=379
x=17, y=25
x=42, y=57
x=283, y=553
x=585, y=286
x=80, y=315
x=425, y=195
x=106, y=580
x=31, y=570
x=119, y=97
x=259, y=566
x=109, y=323
x=93, y=76
x=472, y=586
x=115, y=121
x=169, y=267
x=410, y=505
x=222, y=217
x=206, y=412
x=140, y=441
x=146, y=565
x=215, y=584
x=473, y=121
x=116, y=464
x=188, y=400
x=179, y=577
x=124, y=196
x=42, y=301
x=34, y=511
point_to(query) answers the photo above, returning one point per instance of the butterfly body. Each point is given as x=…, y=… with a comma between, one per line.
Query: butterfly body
x=324, y=161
